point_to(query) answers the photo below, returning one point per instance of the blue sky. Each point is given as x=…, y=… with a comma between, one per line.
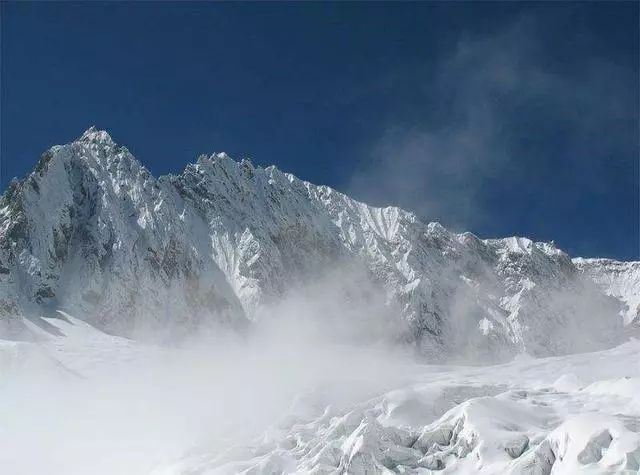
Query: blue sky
x=499, y=118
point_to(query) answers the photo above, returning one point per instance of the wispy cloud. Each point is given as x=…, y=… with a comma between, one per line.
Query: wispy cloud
x=488, y=107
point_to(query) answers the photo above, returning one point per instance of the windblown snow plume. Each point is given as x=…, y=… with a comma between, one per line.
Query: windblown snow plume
x=236, y=319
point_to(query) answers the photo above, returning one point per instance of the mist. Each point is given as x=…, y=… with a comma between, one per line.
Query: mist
x=104, y=404
x=487, y=106
x=129, y=407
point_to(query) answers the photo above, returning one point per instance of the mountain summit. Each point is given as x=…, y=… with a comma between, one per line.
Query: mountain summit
x=90, y=231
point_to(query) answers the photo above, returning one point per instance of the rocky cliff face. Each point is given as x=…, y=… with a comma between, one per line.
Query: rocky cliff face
x=90, y=231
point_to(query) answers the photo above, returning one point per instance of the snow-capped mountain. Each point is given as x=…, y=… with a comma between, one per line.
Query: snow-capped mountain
x=92, y=232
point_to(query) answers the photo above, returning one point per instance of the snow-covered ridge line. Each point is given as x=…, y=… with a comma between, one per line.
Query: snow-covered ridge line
x=214, y=244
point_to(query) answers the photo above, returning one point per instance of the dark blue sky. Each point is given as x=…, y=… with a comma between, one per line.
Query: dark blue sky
x=499, y=118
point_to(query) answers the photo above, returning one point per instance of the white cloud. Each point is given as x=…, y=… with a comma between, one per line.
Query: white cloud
x=492, y=93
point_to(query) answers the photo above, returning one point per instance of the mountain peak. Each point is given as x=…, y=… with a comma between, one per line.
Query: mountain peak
x=223, y=238
x=96, y=136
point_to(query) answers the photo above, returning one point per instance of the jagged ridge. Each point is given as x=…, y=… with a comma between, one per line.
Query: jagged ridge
x=92, y=232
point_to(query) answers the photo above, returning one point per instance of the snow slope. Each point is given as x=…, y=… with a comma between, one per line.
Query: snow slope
x=111, y=405
x=563, y=415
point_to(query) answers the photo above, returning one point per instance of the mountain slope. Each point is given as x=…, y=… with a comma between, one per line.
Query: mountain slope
x=90, y=231
x=619, y=279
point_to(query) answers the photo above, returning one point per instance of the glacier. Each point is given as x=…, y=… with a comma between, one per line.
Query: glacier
x=90, y=402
